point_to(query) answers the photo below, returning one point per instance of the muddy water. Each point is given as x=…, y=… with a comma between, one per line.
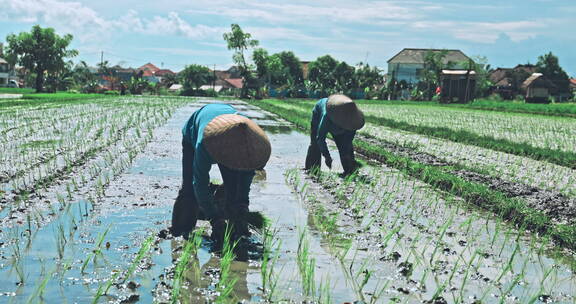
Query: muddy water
x=138, y=204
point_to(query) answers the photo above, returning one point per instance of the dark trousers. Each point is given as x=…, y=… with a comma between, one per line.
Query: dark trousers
x=345, y=149
x=186, y=210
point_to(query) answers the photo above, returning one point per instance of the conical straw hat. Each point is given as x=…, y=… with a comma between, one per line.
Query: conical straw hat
x=236, y=142
x=343, y=112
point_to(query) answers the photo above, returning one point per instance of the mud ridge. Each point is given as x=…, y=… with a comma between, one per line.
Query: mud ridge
x=559, y=207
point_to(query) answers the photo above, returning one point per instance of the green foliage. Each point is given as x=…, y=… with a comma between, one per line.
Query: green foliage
x=260, y=58
x=433, y=65
x=473, y=192
x=480, y=65
x=40, y=51
x=240, y=42
x=321, y=76
x=193, y=76
x=549, y=66
x=137, y=85
x=344, y=76
x=368, y=77
x=16, y=90
x=82, y=75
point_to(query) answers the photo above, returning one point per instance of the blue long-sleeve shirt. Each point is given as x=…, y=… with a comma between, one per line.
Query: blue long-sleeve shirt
x=323, y=125
x=193, y=133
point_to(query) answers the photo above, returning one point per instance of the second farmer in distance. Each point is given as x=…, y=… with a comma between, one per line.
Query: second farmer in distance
x=339, y=116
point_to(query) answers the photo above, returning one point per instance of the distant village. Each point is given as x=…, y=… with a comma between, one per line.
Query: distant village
x=404, y=74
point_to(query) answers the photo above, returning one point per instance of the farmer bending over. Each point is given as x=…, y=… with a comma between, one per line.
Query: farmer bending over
x=339, y=116
x=217, y=134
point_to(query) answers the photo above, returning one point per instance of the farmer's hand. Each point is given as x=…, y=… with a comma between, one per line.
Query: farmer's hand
x=328, y=161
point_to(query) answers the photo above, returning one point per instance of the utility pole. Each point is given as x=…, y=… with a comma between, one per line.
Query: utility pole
x=101, y=59
x=214, y=79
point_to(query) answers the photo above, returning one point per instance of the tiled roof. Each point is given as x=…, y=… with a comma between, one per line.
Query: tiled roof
x=149, y=66
x=164, y=72
x=418, y=55
x=147, y=73
x=235, y=82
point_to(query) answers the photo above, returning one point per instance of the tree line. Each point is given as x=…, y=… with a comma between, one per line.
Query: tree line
x=43, y=54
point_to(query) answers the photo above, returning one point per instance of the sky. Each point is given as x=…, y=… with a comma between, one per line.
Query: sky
x=172, y=34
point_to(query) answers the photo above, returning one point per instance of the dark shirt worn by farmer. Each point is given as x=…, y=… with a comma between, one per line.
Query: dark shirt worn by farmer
x=197, y=160
x=342, y=132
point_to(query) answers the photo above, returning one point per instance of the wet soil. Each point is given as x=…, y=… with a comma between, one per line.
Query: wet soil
x=104, y=233
x=561, y=208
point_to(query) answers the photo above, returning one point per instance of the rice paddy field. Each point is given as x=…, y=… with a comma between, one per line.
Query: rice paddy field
x=451, y=205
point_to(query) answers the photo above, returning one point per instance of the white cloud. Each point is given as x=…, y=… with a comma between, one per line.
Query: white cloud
x=331, y=13
x=89, y=26
x=483, y=32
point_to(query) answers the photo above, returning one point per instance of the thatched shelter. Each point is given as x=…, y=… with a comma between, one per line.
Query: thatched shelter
x=537, y=88
x=457, y=86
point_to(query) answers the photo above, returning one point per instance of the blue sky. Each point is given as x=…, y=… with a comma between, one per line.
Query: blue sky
x=175, y=33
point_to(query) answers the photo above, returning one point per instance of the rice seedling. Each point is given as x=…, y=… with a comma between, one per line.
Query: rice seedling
x=306, y=264
x=270, y=255
x=227, y=280
x=190, y=248
x=97, y=251
x=39, y=290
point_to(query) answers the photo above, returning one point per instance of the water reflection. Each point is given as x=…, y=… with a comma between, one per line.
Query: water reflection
x=201, y=275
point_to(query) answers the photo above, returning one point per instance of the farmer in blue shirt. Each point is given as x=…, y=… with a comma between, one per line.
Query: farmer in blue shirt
x=217, y=134
x=339, y=116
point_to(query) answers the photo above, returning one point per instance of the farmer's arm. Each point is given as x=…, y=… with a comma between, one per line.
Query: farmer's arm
x=244, y=183
x=315, y=121
x=202, y=165
x=321, y=137
x=348, y=139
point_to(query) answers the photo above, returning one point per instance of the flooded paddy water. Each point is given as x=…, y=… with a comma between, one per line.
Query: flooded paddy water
x=381, y=237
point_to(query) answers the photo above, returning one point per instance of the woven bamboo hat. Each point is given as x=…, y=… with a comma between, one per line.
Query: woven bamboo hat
x=344, y=113
x=237, y=142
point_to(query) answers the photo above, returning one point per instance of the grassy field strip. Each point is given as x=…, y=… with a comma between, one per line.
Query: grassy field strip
x=25, y=124
x=431, y=246
x=557, y=109
x=507, y=166
x=553, y=133
x=557, y=147
x=355, y=270
x=81, y=255
x=92, y=171
x=475, y=193
x=81, y=133
x=503, y=165
x=78, y=147
x=53, y=145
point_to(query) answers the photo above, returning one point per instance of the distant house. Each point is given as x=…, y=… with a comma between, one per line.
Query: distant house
x=458, y=86
x=175, y=88
x=408, y=64
x=507, y=82
x=148, y=71
x=538, y=88
x=216, y=88
x=162, y=73
x=573, y=86
x=124, y=74
x=305, y=69
x=149, y=67
x=4, y=72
